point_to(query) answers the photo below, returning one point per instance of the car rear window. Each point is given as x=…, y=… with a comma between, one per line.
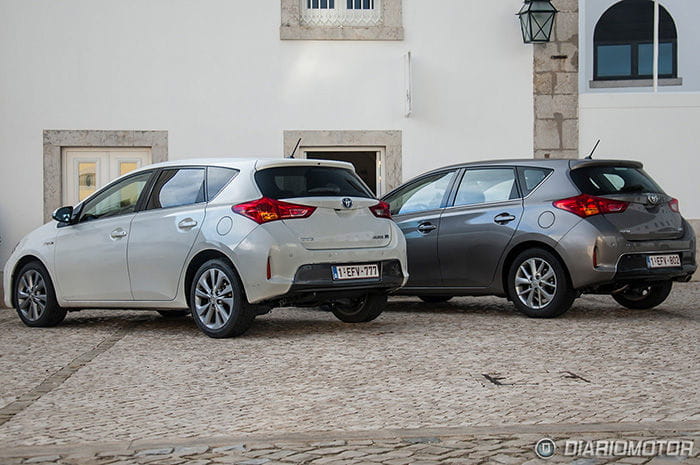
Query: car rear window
x=217, y=178
x=310, y=181
x=530, y=178
x=611, y=180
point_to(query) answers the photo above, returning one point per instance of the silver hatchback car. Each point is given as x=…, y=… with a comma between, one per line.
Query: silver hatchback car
x=542, y=232
x=228, y=238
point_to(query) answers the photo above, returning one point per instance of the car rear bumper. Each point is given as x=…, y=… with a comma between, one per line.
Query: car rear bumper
x=295, y=270
x=633, y=267
x=319, y=278
x=596, y=255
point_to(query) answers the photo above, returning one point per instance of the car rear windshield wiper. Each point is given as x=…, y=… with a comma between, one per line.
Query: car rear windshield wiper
x=633, y=188
x=325, y=190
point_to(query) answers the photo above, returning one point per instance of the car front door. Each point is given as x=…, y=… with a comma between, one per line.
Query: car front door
x=164, y=232
x=416, y=209
x=90, y=254
x=478, y=225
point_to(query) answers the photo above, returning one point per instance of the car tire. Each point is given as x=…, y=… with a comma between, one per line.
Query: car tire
x=538, y=285
x=173, y=313
x=359, y=310
x=35, y=297
x=646, y=297
x=217, y=301
x=434, y=299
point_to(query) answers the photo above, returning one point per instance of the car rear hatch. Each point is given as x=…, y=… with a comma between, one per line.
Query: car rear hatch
x=342, y=218
x=650, y=214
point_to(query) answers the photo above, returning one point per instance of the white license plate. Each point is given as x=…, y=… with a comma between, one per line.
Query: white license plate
x=355, y=271
x=663, y=261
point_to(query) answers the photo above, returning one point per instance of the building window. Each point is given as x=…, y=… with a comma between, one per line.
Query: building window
x=340, y=12
x=376, y=155
x=341, y=20
x=623, y=42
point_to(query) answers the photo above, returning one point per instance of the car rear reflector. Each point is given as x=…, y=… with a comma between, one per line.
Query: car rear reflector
x=674, y=205
x=381, y=210
x=585, y=205
x=264, y=210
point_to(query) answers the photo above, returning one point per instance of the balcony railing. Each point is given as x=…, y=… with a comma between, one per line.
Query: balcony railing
x=335, y=13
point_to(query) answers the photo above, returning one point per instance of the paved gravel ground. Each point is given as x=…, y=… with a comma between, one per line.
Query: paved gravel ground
x=122, y=376
x=452, y=449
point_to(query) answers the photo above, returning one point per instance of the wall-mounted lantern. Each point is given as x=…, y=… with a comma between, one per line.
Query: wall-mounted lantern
x=536, y=20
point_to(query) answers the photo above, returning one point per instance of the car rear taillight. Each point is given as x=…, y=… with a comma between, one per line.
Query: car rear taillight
x=585, y=205
x=674, y=206
x=265, y=210
x=381, y=210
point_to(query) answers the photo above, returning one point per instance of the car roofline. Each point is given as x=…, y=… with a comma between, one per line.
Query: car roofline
x=245, y=163
x=549, y=163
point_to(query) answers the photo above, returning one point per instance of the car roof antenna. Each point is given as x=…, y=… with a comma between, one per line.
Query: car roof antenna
x=291, y=155
x=590, y=156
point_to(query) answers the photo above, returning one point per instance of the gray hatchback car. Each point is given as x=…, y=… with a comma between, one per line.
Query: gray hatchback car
x=542, y=232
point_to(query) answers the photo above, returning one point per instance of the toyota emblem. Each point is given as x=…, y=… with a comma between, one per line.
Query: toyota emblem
x=653, y=198
x=347, y=202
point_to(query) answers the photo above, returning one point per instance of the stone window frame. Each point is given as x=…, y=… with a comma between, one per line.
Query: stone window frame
x=389, y=140
x=389, y=28
x=56, y=140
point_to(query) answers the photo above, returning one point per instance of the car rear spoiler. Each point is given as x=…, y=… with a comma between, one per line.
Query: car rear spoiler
x=575, y=164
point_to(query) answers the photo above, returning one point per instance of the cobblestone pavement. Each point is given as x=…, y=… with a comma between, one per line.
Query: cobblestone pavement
x=498, y=449
x=119, y=377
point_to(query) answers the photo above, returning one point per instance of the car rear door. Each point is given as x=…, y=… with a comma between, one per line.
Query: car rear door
x=341, y=218
x=416, y=208
x=650, y=214
x=164, y=232
x=478, y=225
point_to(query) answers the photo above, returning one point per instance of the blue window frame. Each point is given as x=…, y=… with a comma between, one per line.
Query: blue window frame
x=360, y=4
x=320, y=4
x=623, y=42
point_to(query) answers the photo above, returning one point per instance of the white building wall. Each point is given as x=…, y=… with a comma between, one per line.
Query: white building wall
x=216, y=76
x=662, y=131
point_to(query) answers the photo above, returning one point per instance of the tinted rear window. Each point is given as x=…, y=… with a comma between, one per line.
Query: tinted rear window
x=310, y=181
x=530, y=178
x=611, y=180
x=217, y=178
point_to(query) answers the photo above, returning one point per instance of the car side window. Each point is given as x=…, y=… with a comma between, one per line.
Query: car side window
x=217, y=178
x=119, y=199
x=176, y=188
x=530, y=178
x=422, y=195
x=486, y=185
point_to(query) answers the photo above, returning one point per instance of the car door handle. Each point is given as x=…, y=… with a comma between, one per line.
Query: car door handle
x=118, y=233
x=187, y=223
x=504, y=218
x=425, y=228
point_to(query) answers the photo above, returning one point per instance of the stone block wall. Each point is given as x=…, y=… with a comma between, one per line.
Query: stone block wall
x=555, y=86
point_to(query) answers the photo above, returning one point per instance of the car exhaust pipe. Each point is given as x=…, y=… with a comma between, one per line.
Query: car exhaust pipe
x=622, y=289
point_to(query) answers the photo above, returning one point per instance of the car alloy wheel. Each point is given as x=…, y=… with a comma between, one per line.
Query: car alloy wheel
x=536, y=283
x=31, y=295
x=214, y=298
x=34, y=297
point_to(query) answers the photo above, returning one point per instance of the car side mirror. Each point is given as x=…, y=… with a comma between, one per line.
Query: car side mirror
x=63, y=214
